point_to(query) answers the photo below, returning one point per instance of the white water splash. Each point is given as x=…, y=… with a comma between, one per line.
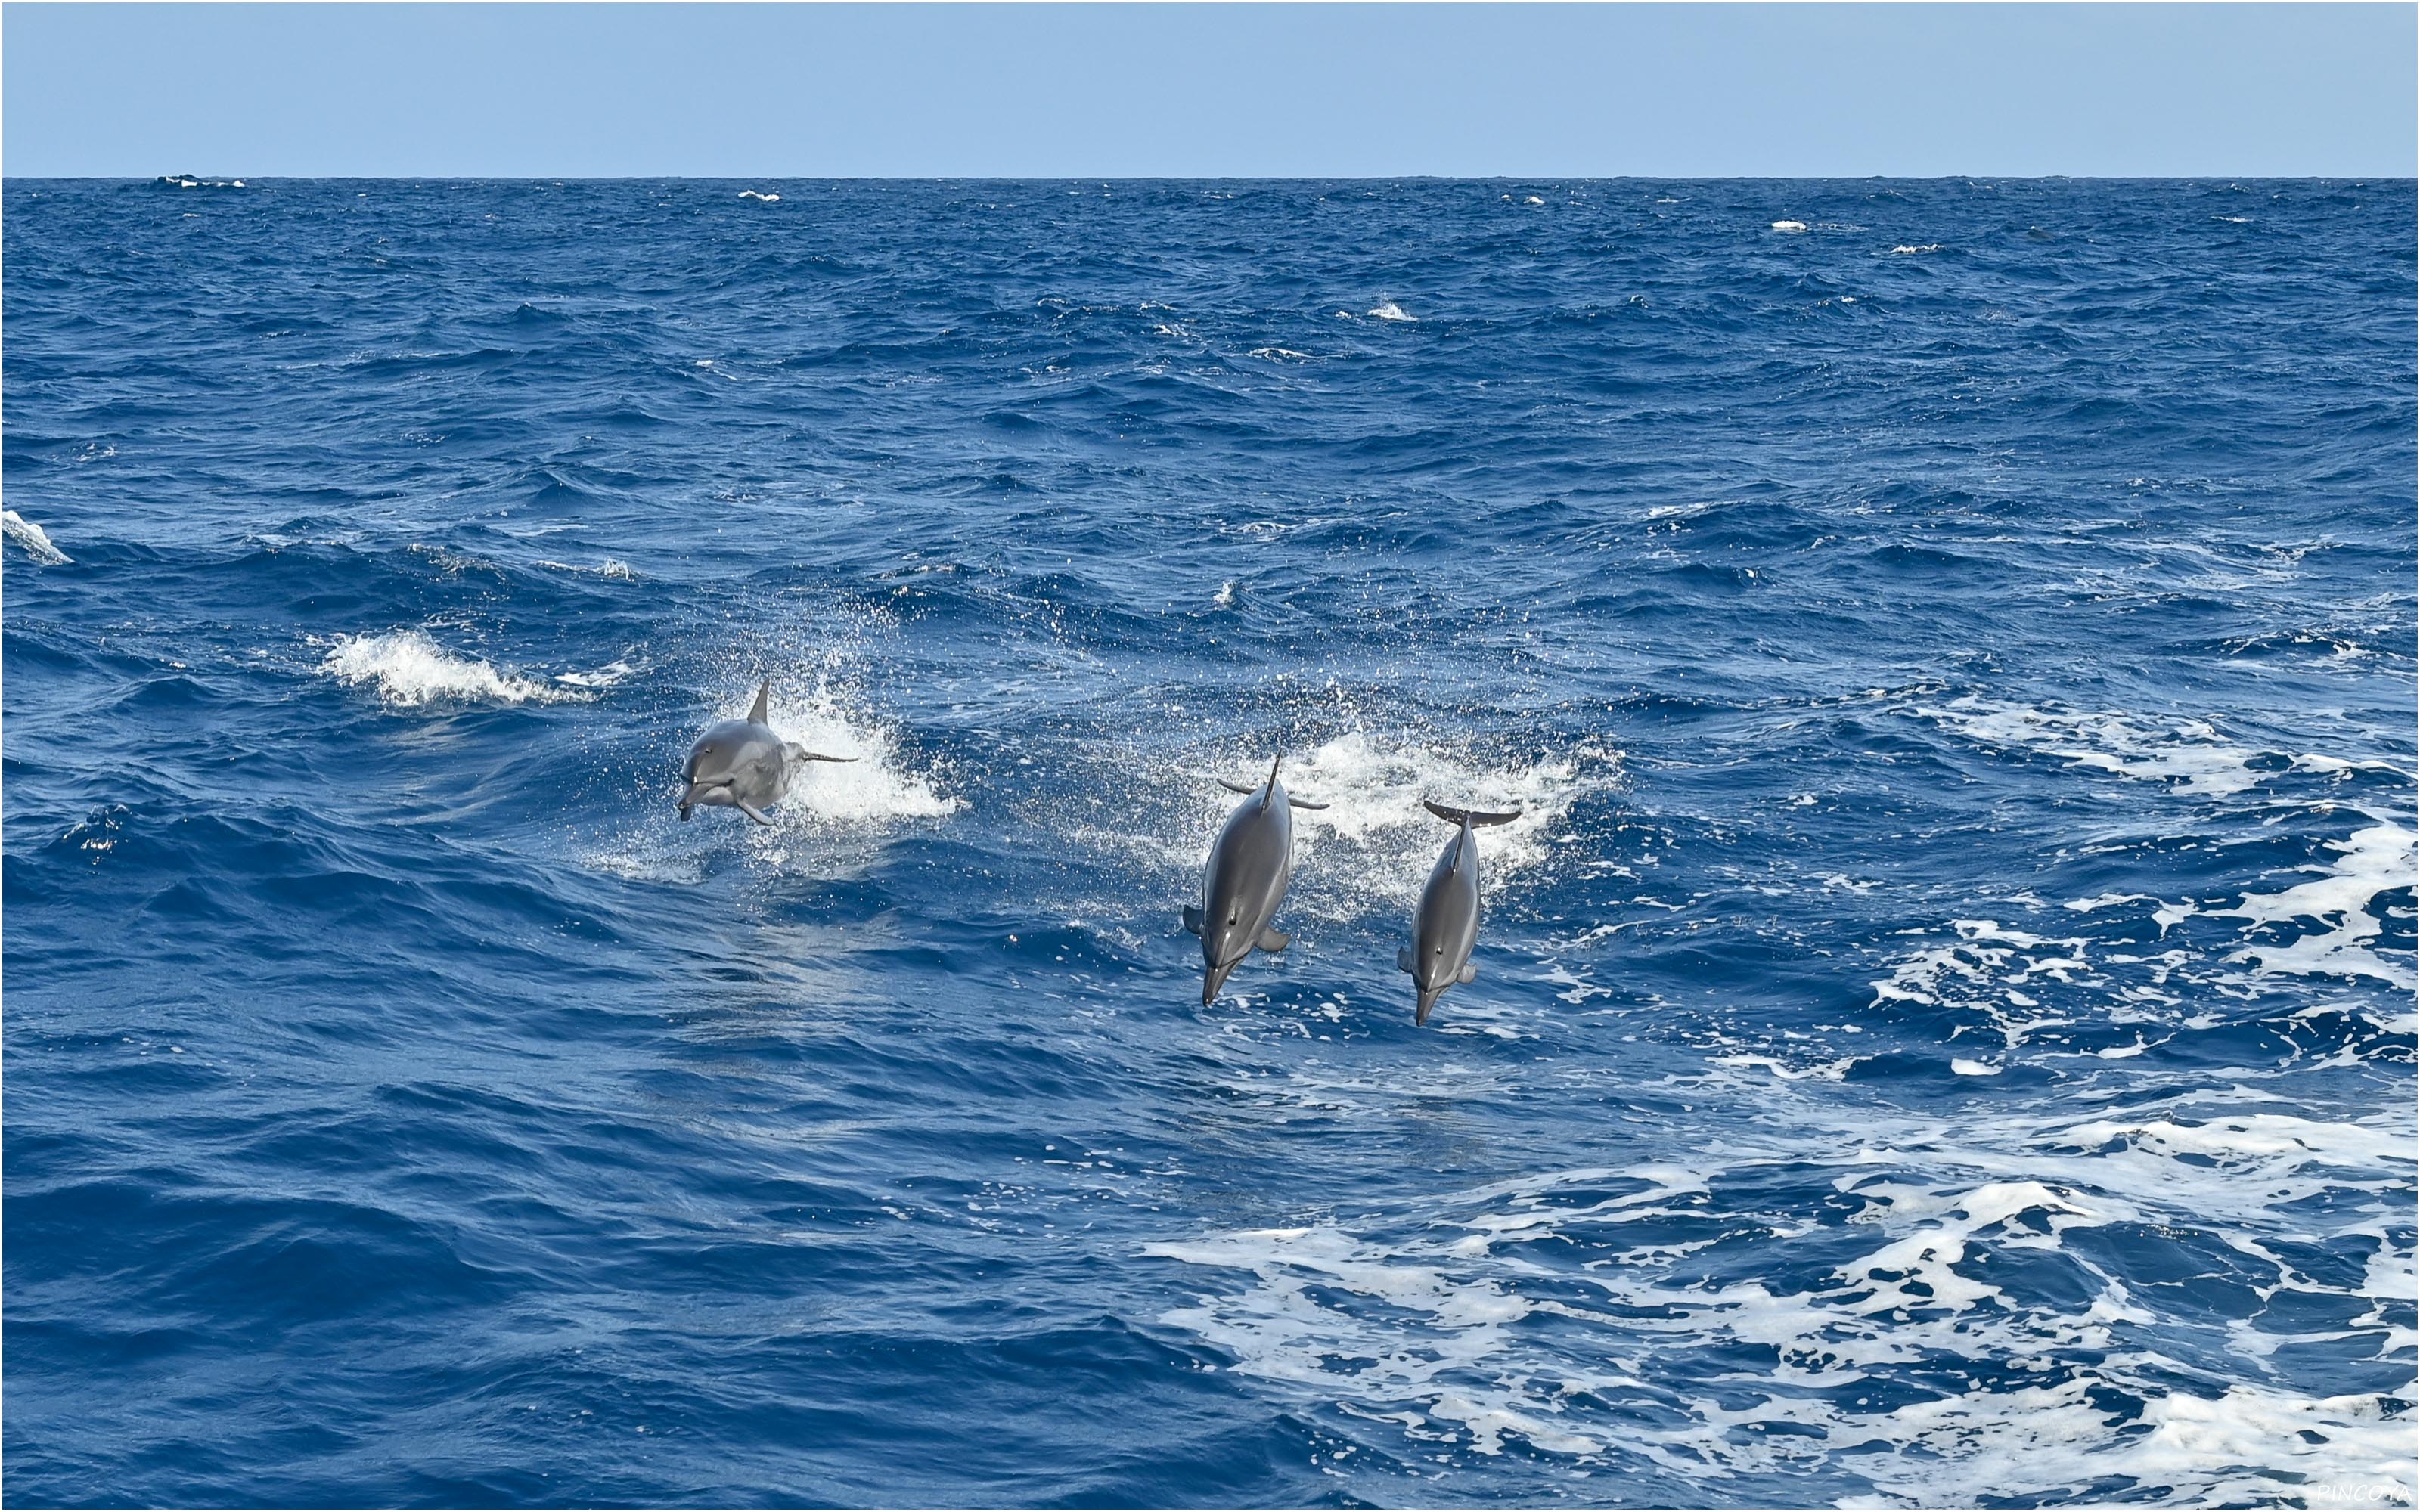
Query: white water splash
x=875, y=786
x=410, y=671
x=35, y=541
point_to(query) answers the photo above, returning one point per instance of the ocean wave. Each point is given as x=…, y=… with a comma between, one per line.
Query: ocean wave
x=33, y=539
x=411, y=671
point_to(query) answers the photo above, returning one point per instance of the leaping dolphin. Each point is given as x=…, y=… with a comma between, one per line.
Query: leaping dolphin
x=1244, y=881
x=1447, y=925
x=742, y=764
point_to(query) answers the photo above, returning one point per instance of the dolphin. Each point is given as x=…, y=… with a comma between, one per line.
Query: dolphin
x=1244, y=881
x=1447, y=925
x=742, y=764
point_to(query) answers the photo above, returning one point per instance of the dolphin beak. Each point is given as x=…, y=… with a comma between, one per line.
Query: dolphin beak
x=1428, y=1000
x=1211, y=981
x=695, y=794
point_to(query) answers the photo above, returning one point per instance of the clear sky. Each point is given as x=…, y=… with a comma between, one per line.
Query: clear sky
x=1134, y=90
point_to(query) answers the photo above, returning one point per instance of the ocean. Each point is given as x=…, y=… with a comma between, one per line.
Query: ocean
x=1944, y=1026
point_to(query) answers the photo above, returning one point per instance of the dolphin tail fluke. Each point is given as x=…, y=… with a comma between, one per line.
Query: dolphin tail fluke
x=1192, y=917
x=749, y=810
x=800, y=753
x=763, y=697
x=1403, y=957
x=1456, y=816
x=1428, y=1000
x=1271, y=940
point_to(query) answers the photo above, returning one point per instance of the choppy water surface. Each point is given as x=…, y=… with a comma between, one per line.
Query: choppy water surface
x=1945, y=1021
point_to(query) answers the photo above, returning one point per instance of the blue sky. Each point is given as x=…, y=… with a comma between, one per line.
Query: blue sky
x=1121, y=90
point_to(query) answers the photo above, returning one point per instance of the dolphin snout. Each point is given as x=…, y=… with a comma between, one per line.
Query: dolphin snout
x=1214, y=978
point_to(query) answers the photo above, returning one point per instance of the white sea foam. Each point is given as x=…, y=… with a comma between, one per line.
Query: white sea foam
x=605, y=676
x=32, y=539
x=1466, y=1320
x=1390, y=310
x=769, y=199
x=2376, y=860
x=409, y=670
x=1789, y=225
x=2188, y=752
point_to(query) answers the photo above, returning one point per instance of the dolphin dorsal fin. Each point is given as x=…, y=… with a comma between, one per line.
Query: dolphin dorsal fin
x=764, y=692
x=1271, y=791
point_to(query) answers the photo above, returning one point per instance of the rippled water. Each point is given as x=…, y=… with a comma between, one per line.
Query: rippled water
x=1943, y=1028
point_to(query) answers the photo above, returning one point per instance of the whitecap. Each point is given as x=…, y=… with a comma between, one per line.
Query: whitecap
x=35, y=541
x=1789, y=225
x=1390, y=310
x=1910, y=251
x=409, y=670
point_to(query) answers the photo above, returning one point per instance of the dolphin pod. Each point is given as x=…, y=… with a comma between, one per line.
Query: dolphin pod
x=742, y=764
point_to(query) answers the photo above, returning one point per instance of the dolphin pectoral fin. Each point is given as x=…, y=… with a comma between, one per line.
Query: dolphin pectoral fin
x=800, y=753
x=1271, y=940
x=1403, y=957
x=1469, y=974
x=1192, y=917
x=756, y=711
x=1292, y=802
x=1247, y=789
x=749, y=810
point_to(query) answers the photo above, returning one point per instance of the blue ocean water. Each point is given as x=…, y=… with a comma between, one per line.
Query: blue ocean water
x=1944, y=1029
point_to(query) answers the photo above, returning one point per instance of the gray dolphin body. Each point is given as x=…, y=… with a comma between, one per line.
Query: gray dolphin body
x=742, y=764
x=1447, y=926
x=1244, y=881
